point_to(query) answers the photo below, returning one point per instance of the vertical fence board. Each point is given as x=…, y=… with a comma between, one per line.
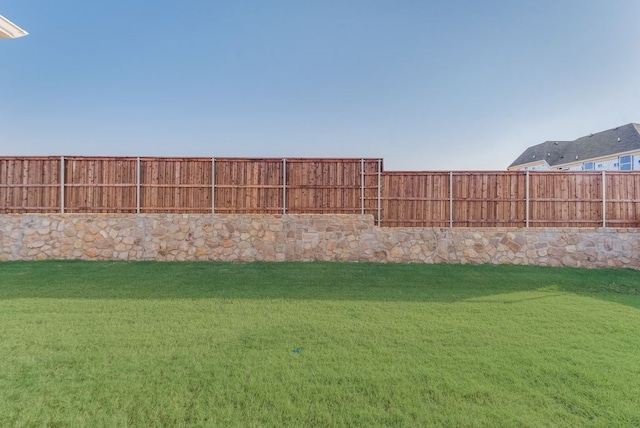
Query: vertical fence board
x=29, y=184
x=248, y=185
x=566, y=199
x=175, y=185
x=331, y=186
x=415, y=199
x=623, y=199
x=95, y=185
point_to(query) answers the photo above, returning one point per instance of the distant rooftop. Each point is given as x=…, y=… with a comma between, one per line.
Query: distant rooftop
x=621, y=139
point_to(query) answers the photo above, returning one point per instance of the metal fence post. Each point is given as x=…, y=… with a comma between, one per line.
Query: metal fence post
x=361, y=186
x=213, y=185
x=138, y=186
x=284, y=185
x=379, y=191
x=61, y=184
x=451, y=199
x=527, y=200
x=604, y=200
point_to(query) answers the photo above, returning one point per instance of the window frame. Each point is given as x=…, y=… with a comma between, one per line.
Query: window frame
x=625, y=163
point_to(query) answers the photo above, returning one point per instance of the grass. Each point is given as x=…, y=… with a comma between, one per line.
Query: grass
x=317, y=344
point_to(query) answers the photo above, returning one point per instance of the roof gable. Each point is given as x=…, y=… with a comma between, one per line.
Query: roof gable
x=549, y=151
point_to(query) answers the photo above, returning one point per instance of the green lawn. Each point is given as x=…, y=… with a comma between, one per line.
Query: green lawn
x=317, y=344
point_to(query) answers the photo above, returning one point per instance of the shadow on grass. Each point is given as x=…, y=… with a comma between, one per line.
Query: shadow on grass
x=298, y=280
x=508, y=301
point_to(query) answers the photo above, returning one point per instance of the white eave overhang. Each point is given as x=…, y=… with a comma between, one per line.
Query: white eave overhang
x=522, y=166
x=9, y=30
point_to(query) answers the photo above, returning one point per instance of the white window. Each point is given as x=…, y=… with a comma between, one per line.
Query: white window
x=587, y=166
x=625, y=163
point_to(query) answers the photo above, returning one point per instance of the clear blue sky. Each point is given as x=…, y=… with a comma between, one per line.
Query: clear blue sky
x=426, y=85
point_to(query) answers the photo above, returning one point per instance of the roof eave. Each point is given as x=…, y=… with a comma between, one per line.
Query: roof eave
x=527, y=165
x=9, y=30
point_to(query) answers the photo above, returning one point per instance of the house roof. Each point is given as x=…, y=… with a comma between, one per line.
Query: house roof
x=622, y=139
x=9, y=30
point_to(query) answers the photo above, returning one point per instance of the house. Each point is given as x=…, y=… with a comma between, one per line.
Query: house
x=9, y=30
x=616, y=149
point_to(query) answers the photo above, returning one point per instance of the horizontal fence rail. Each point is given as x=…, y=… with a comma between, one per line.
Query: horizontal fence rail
x=72, y=184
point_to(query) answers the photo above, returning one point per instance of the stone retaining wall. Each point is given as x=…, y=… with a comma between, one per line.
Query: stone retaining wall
x=304, y=238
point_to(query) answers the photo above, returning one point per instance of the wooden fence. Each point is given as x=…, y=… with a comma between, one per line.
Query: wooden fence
x=336, y=186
